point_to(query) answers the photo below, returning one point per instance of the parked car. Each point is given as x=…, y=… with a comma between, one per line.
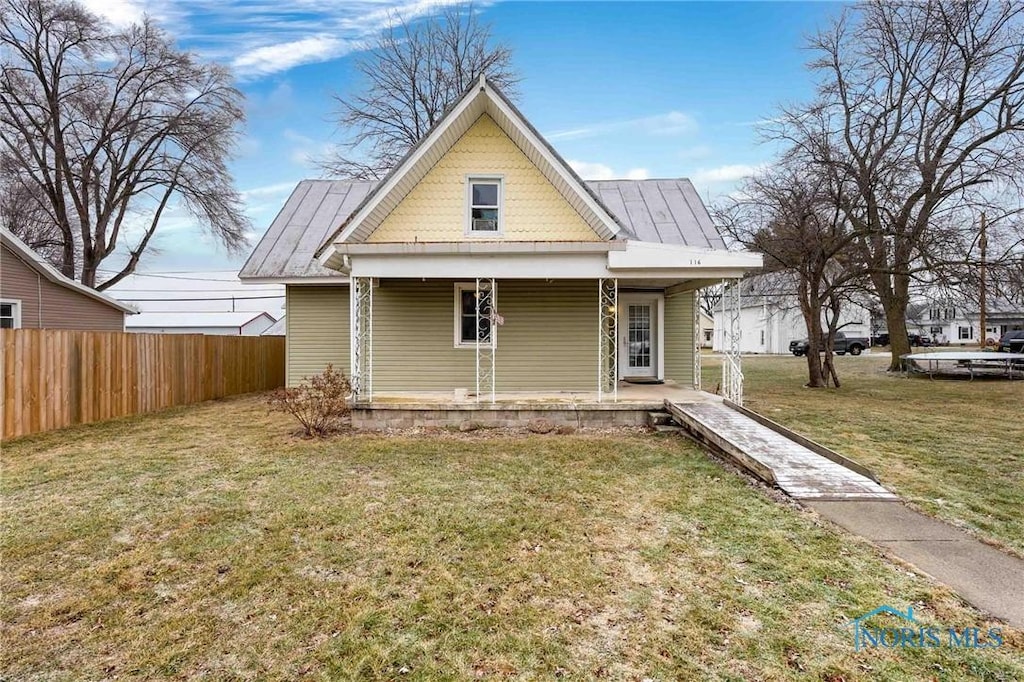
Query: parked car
x=919, y=340
x=915, y=340
x=854, y=345
x=1011, y=342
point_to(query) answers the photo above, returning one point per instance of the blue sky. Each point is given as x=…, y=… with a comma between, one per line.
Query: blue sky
x=622, y=89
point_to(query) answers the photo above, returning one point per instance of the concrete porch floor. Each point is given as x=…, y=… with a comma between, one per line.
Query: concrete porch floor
x=630, y=396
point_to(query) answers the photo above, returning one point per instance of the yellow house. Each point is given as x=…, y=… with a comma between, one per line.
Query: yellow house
x=482, y=273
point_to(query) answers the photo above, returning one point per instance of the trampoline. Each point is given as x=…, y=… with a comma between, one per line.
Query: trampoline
x=966, y=364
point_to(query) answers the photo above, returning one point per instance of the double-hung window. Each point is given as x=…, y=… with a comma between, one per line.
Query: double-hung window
x=10, y=314
x=484, y=213
x=467, y=328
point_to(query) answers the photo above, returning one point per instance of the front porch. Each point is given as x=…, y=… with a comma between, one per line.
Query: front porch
x=553, y=340
x=572, y=409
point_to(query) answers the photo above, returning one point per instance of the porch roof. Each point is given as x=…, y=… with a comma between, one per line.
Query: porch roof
x=629, y=260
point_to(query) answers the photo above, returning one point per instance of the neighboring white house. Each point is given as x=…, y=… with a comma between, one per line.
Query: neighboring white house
x=213, y=323
x=707, y=330
x=769, y=321
x=279, y=328
x=952, y=325
x=192, y=302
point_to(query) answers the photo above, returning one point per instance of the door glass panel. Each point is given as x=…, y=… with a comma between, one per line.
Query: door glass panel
x=639, y=335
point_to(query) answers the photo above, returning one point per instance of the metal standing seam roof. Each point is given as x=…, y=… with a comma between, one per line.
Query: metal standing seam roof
x=662, y=211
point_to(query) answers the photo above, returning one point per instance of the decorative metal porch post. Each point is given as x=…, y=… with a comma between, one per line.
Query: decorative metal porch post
x=607, y=338
x=732, y=369
x=486, y=336
x=698, y=339
x=361, y=348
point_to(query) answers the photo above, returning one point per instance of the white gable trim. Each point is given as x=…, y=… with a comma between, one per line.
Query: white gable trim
x=476, y=102
x=607, y=221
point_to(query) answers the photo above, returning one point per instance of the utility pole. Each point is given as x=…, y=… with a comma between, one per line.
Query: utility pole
x=983, y=243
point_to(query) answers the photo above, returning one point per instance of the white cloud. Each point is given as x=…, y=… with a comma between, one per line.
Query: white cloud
x=266, y=37
x=600, y=171
x=277, y=189
x=700, y=151
x=727, y=173
x=120, y=13
x=670, y=123
x=263, y=61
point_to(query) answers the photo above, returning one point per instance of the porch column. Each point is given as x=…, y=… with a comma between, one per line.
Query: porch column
x=698, y=339
x=361, y=339
x=607, y=339
x=732, y=369
x=486, y=336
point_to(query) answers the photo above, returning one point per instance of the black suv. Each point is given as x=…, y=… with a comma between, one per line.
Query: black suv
x=1012, y=342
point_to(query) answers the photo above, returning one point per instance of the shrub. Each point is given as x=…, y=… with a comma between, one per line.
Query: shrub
x=319, y=403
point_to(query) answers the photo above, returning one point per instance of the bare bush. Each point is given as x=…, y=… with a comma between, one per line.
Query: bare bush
x=320, y=403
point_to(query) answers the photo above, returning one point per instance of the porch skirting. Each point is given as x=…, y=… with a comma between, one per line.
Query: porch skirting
x=382, y=416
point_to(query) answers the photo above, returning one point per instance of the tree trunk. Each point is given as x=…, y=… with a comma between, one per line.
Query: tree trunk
x=810, y=306
x=899, y=343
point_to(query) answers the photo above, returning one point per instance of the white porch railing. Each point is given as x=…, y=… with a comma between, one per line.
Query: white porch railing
x=732, y=367
x=607, y=339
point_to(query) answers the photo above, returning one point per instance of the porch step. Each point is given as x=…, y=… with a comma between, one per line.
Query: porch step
x=668, y=428
x=655, y=419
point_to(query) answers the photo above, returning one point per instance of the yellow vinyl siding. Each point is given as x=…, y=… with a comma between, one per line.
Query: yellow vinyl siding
x=548, y=341
x=679, y=337
x=435, y=210
x=317, y=330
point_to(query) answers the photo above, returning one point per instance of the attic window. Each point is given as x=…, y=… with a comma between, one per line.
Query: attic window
x=484, y=214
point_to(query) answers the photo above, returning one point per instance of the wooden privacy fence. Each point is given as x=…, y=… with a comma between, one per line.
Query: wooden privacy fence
x=55, y=378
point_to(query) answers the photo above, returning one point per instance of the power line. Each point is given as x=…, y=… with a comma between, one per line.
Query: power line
x=171, y=276
x=228, y=298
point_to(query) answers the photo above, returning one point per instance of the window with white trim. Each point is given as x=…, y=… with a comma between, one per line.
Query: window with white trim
x=466, y=329
x=484, y=212
x=965, y=333
x=10, y=314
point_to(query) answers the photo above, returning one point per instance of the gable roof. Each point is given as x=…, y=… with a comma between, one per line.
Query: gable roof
x=45, y=269
x=483, y=97
x=667, y=211
x=311, y=214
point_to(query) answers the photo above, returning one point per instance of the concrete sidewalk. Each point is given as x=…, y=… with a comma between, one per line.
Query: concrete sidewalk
x=991, y=580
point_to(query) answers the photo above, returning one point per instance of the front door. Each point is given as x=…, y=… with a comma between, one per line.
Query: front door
x=638, y=336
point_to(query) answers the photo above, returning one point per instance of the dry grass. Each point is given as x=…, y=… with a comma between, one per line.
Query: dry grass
x=954, y=448
x=205, y=542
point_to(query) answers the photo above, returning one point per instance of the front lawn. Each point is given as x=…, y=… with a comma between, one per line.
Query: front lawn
x=954, y=448
x=206, y=542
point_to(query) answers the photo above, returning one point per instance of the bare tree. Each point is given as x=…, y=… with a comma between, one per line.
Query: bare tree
x=111, y=128
x=920, y=110
x=787, y=214
x=24, y=211
x=413, y=74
